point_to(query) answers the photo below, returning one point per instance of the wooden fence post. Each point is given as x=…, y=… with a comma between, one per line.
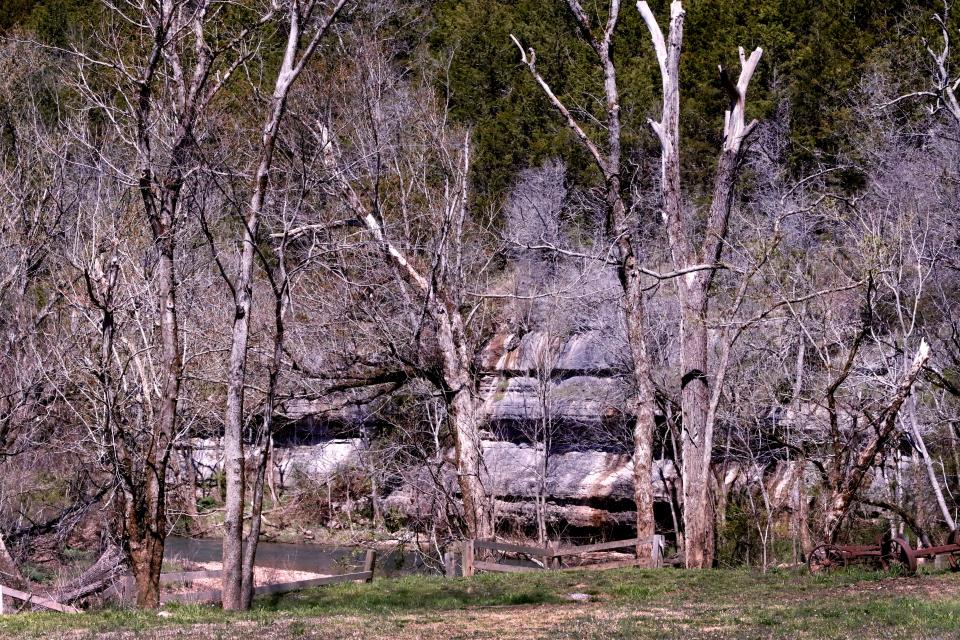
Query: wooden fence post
x=467, y=558
x=369, y=562
x=552, y=560
x=450, y=564
x=657, y=554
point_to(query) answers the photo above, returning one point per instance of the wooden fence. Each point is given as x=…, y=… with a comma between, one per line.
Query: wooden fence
x=31, y=599
x=550, y=557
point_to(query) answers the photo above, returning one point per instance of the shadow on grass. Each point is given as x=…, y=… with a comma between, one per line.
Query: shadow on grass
x=415, y=593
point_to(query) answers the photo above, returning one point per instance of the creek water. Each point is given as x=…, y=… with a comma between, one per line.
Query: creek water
x=318, y=558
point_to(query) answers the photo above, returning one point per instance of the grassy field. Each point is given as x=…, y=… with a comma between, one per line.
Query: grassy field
x=626, y=603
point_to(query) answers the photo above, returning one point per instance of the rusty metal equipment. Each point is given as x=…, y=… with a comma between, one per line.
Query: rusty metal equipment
x=888, y=553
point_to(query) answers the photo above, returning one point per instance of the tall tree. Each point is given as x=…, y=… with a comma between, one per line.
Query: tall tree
x=164, y=89
x=307, y=23
x=623, y=227
x=698, y=261
x=693, y=269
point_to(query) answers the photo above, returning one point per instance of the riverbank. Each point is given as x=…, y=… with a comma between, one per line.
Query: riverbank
x=394, y=557
x=626, y=603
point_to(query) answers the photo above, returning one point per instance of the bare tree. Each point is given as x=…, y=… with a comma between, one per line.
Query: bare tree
x=608, y=161
x=693, y=268
x=166, y=87
x=305, y=30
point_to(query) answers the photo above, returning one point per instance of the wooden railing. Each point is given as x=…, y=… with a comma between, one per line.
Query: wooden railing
x=211, y=596
x=550, y=556
x=33, y=600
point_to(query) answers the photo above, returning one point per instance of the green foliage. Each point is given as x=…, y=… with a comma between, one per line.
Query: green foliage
x=814, y=55
x=55, y=22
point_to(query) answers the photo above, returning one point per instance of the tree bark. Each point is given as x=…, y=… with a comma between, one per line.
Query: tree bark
x=265, y=441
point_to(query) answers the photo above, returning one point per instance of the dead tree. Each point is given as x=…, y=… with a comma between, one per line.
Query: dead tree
x=688, y=256
x=694, y=266
x=440, y=289
x=845, y=483
x=942, y=93
x=168, y=83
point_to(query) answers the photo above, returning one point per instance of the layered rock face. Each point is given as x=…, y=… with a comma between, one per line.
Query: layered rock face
x=556, y=432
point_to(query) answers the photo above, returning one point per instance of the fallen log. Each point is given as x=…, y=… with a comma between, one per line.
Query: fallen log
x=101, y=575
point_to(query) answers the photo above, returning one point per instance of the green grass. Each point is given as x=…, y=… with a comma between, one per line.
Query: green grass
x=626, y=604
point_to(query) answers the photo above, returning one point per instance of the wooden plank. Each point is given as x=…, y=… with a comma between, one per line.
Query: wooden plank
x=504, y=568
x=468, y=564
x=210, y=596
x=215, y=595
x=602, y=546
x=285, y=587
x=450, y=564
x=124, y=587
x=511, y=548
x=550, y=559
x=30, y=598
x=369, y=563
x=121, y=589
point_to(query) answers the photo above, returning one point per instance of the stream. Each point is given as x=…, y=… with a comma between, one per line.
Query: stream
x=317, y=558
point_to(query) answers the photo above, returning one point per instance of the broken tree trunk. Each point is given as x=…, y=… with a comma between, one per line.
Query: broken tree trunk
x=698, y=267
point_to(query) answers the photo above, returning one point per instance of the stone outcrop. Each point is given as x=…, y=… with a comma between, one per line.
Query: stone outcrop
x=579, y=381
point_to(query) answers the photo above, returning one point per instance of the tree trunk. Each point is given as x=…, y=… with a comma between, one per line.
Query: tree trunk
x=463, y=416
x=696, y=269
x=928, y=465
x=265, y=441
x=233, y=555
x=644, y=426
x=146, y=563
x=698, y=512
x=233, y=448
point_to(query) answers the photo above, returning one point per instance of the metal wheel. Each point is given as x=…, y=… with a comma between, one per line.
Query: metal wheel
x=954, y=538
x=899, y=555
x=825, y=557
